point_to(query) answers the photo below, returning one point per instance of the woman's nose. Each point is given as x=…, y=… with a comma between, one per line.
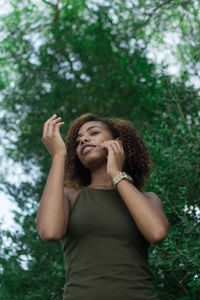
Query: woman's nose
x=84, y=139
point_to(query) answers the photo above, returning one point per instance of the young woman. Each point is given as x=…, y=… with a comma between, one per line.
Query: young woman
x=104, y=221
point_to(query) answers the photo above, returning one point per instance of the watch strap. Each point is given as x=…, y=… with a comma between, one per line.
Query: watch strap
x=120, y=176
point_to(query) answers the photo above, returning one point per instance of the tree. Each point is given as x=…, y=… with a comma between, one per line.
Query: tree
x=75, y=57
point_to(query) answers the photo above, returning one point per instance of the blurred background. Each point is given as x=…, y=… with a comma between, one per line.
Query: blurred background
x=133, y=59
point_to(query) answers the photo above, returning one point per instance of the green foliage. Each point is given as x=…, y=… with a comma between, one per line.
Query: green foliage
x=175, y=151
x=73, y=57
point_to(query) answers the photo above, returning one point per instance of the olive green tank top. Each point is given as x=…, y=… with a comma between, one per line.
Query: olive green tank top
x=105, y=254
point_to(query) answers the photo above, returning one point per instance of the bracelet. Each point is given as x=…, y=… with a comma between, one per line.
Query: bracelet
x=120, y=176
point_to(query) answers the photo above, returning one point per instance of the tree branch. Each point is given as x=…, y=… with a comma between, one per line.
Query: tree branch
x=55, y=7
x=49, y=3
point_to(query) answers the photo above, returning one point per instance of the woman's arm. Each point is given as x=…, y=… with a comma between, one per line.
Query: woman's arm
x=146, y=210
x=53, y=212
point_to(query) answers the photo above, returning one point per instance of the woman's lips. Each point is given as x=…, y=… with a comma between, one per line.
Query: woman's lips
x=86, y=149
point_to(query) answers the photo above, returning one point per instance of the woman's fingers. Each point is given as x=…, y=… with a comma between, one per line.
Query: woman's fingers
x=50, y=129
x=45, y=128
x=115, y=145
x=55, y=121
x=116, y=156
x=52, y=119
x=52, y=138
x=119, y=144
x=50, y=124
x=54, y=127
x=57, y=127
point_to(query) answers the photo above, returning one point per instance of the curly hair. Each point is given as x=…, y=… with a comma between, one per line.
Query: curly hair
x=137, y=157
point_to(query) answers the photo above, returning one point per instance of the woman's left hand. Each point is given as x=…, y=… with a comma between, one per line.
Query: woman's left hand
x=115, y=157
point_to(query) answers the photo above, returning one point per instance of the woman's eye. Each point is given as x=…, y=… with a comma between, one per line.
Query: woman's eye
x=92, y=133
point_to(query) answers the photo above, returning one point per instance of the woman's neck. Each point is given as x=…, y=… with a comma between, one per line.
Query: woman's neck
x=100, y=179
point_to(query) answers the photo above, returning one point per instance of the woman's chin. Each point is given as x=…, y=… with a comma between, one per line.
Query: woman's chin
x=93, y=161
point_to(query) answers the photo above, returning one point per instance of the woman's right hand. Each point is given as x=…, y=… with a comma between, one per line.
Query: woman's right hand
x=51, y=136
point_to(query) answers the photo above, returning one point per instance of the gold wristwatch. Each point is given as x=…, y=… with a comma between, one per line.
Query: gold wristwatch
x=120, y=176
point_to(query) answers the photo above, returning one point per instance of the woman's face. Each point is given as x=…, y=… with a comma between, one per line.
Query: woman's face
x=89, y=137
